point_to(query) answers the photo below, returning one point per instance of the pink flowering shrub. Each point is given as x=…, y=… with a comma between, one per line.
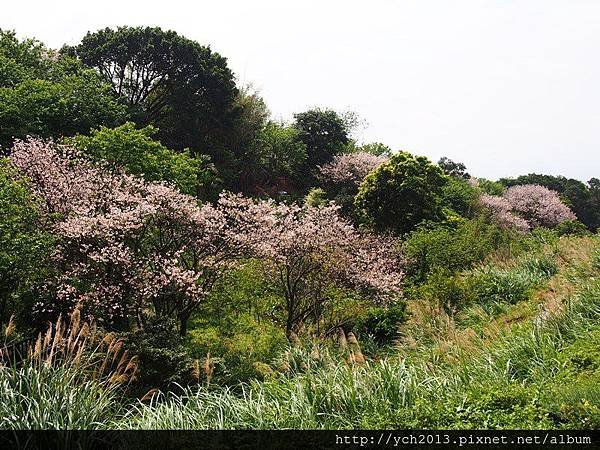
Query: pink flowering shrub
x=349, y=169
x=500, y=209
x=306, y=249
x=540, y=206
x=128, y=248
x=527, y=206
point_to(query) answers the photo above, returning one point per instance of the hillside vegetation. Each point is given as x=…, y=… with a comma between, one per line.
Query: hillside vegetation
x=172, y=257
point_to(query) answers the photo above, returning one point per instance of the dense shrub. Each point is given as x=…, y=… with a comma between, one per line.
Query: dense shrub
x=571, y=228
x=24, y=245
x=401, y=193
x=134, y=150
x=459, y=196
x=162, y=357
x=381, y=323
x=452, y=249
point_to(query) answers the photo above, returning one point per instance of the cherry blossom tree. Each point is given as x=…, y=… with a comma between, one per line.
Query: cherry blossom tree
x=349, y=169
x=306, y=249
x=524, y=207
x=500, y=210
x=128, y=248
x=540, y=206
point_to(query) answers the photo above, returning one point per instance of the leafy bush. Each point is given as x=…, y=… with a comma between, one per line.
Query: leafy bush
x=24, y=245
x=459, y=196
x=401, y=193
x=571, y=228
x=451, y=249
x=163, y=359
x=381, y=323
x=135, y=150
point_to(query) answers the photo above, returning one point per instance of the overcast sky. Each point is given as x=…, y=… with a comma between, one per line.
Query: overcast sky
x=508, y=87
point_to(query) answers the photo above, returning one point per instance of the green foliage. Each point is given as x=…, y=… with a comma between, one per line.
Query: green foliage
x=382, y=323
x=44, y=108
x=323, y=132
x=571, y=228
x=451, y=249
x=401, y=193
x=20, y=60
x=375, y=148
x=183, y=88
x=24, y=245
x=488, y=286
x=459, y=196
x=490, y=187
x=278, y=152
x=134, y=149
x=453, y=169
x=240, y=326
x=316, y=197
x=56, y=398
x=163, y=359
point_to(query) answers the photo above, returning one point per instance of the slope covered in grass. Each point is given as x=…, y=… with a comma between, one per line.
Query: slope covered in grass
x=525, y=355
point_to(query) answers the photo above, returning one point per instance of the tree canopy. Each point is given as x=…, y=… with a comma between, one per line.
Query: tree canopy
x=401, y=193
x=135, y=151
x=183, y=88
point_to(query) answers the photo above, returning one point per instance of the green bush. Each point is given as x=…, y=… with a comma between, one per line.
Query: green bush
x=459, y=196
x=451, y=249
x=134, y=149
x=571, y=228
x=401, y=193
x=382, y=323
x=163, y=358
x=24, y=245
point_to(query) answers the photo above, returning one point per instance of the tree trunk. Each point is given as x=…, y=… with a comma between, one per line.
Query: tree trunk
x=183, y=322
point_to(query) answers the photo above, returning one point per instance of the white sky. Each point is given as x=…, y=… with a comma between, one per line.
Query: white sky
x=506, y=86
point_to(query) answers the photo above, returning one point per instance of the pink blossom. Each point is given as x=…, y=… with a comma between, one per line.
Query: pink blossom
x=527, y=206
x=350, y=168
x=540, y=206
x=131, y=249
x=500, y=210
x=306, y=248
x=127, y=246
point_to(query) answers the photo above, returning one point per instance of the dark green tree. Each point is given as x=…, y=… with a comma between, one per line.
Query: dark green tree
x=453, y=169
x=278, y=153
x=401, y=193
x=173, y=83
x=325, y=134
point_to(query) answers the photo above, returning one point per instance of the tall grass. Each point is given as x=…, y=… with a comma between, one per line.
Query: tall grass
x=70, y=380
